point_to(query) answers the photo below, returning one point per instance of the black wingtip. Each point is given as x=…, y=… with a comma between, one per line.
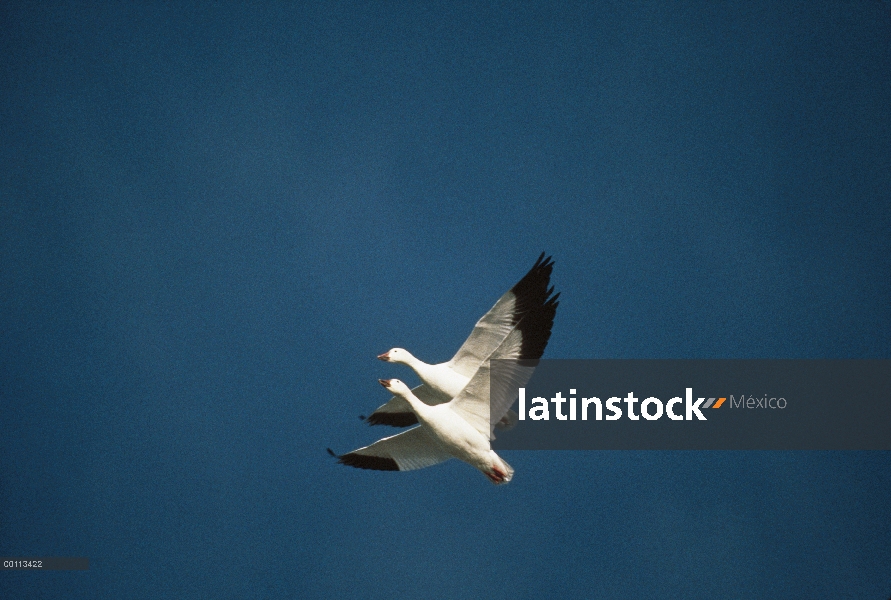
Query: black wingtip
x=533, y=289
x=362, y=417
x=363, y=461
x=393, y=419
x=536, y=329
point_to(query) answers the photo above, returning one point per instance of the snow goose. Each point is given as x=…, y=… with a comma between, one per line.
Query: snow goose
x=462, y=428
x=444, y=381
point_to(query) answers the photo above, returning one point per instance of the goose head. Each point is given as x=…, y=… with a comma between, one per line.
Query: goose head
x=396, y=355
x=395, y=386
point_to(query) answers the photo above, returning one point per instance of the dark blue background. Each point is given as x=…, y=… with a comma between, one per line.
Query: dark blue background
x=215, y=216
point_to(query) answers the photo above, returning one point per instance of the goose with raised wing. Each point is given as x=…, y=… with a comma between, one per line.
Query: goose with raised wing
x=444, y=381
x=462, y=428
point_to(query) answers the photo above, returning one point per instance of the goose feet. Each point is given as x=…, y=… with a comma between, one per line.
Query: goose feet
x=496, y=475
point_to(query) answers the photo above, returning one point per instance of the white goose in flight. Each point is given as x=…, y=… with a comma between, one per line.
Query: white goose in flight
x=462, y=428
x=444, y=381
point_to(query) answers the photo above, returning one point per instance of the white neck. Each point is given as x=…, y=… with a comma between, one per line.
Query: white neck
x=420, y=409
x=418, y=366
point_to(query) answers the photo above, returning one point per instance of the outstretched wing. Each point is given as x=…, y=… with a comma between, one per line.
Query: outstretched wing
x=406, y=451
x=490, y=331
x=482, y=404
x=398, y=413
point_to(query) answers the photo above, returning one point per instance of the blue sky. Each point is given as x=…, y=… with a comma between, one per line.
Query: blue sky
x=214, y=217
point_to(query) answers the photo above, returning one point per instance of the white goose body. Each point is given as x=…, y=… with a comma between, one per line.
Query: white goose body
x=444, y=381
x=457, y=437
x=445, y=432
